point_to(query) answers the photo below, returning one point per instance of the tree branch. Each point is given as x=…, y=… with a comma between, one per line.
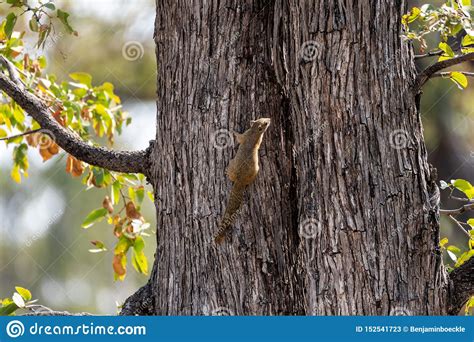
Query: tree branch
x=425, y=75
x=446, y=74
x=41, y=310
x=21, y=134
x=457, y=211
x=120, y=161
x=461, y=286
x=430, y=54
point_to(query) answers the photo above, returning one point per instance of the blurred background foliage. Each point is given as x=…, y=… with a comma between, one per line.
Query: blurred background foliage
x=447, y=114
x=42, y=246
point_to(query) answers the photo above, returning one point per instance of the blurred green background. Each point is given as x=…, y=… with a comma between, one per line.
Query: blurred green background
x=42, y=246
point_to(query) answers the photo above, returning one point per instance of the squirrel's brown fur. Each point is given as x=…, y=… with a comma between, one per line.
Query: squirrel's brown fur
x=242, y=171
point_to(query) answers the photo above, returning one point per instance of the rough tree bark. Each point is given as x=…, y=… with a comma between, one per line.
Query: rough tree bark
x=343, y=217
x=339, y=220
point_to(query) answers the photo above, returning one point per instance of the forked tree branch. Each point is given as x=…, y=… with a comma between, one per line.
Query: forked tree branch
x=120, y=161
x=425, y=75
x=461, y=286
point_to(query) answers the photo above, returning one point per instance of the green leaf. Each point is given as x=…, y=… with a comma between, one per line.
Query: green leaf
x=33, y=23
x=8, y=308
x=139, y=244
x=122, y=246
x=467, y=40
x=443, y=242
x=140, y=192
x=82, y=78
x=448, y=52
x=63, y=17
x=139, y=262
x=471, y=223
x=50, y=6
x=26, y=294
x=3, y=133
x=19, y=115
x=453, y=249
x=464, y=186
x=411, y=16
x=150, y=196
x=464, y=257
x=132, y=195
x=10, y=24
x=459, y=78
x=115, y=192
x=93, y=217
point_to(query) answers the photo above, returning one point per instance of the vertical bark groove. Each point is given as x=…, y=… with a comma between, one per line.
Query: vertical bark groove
x=338, y=220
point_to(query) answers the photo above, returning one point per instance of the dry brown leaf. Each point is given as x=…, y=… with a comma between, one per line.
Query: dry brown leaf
x=132, y=212
x=75, y=167
x=117, y=265
x=107, y=204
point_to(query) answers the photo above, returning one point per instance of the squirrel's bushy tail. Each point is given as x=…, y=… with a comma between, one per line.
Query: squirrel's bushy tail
x=233, y=205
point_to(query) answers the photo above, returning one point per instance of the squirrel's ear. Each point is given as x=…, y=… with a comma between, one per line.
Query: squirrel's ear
x=253, y=121
x=240, y=137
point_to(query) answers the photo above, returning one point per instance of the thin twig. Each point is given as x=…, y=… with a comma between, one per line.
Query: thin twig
x=459, y=225
x=460, y=199
x=447, y=73
x=430, y=54
x=21, y=134
x=464, y=208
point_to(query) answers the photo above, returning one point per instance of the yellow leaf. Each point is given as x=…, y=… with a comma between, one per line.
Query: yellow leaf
x=459, y=78
x=15, y=174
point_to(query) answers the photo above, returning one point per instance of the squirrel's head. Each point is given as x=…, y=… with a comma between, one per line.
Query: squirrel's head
x=260, y=125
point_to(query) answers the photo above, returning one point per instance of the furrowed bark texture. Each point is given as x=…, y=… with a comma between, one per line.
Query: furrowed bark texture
x=339, y=219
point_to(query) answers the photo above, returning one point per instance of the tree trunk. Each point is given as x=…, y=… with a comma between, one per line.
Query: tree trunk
x=342, y=218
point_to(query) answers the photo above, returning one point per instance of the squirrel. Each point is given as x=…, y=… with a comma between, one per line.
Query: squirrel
x=242, y=171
